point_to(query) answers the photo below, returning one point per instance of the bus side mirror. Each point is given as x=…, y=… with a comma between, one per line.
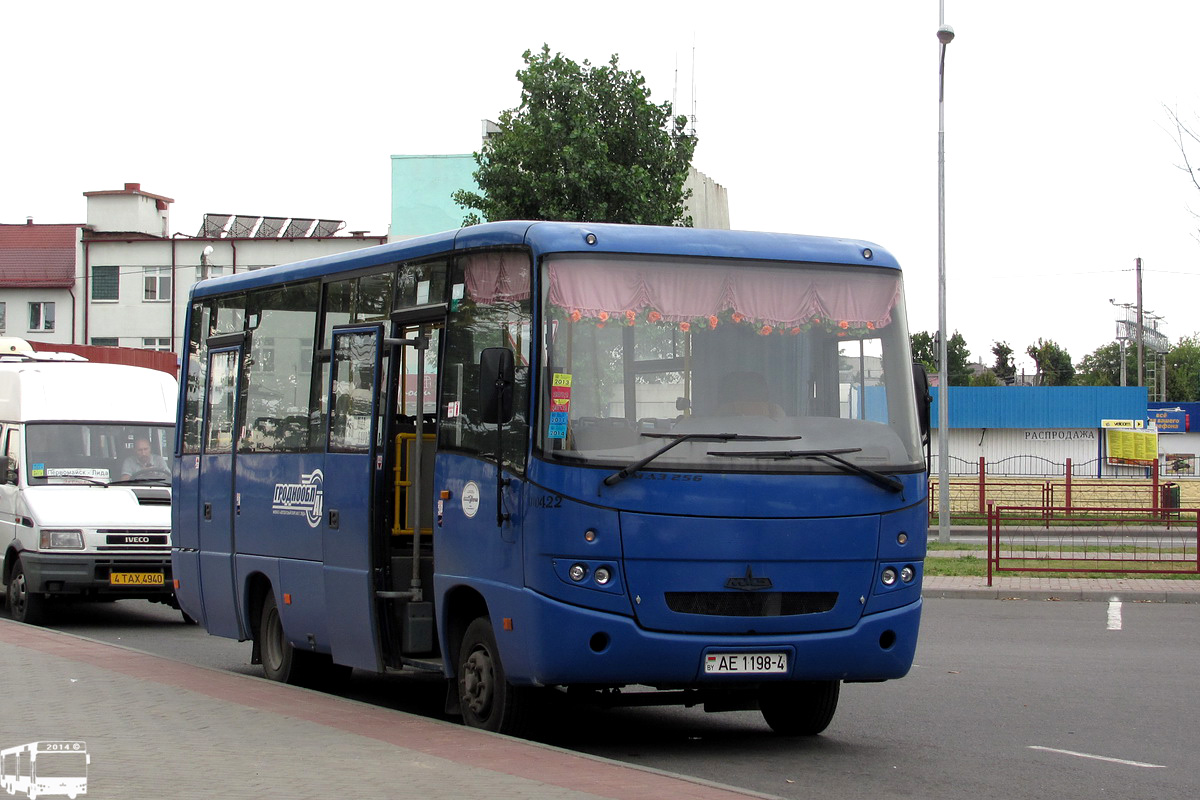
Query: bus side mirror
x=496, y=371
x=924, y=399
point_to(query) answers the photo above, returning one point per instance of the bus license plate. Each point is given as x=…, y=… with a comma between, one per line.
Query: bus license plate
x=745, y=663
x=135, y=579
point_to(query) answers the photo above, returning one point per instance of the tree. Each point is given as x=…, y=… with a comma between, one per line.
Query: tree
x=1005, y=369
x=925, y=350
x=1187, y=137
x=986, y=378
x=1183, y=370
x=585, y=144
x=1053, y=363
x=1102, y=367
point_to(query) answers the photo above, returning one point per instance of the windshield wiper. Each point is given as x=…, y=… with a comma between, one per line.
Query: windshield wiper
x=85, y=478
x=127, y=481
x=677, y=438
x=878, y=478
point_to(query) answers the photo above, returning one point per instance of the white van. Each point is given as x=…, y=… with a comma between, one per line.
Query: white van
x=85, y=477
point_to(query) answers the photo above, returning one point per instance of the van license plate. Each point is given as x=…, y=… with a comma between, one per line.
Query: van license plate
x=745, y=663
x=135, y=579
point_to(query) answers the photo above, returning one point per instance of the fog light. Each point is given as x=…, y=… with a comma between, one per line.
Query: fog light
x=577, y=572
x=603, y=575
x=61, y=540
x=907, y=574
x=889, y=576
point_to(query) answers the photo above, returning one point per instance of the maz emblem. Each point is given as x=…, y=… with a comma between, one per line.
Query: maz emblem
x=749, y=583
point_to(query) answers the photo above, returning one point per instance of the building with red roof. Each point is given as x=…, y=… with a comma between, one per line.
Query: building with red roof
x=38, y=273
x=122, y=279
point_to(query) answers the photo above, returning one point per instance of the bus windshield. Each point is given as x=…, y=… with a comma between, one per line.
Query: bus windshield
x=790, y=360
x=98, y=453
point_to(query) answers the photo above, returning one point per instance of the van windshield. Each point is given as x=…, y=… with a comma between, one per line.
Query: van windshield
x=101, y=453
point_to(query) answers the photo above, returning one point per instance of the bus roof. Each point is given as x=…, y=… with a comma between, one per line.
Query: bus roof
x=566, y=237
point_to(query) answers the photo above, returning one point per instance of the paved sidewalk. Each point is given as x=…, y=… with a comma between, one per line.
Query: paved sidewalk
x=161, y=728
x=1007, y=587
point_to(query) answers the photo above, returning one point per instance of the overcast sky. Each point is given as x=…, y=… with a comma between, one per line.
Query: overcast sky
x=818, y=117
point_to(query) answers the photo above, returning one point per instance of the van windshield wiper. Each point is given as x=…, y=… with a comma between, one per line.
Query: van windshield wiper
x=678, y=438
x=84, y=478
x=878, y=478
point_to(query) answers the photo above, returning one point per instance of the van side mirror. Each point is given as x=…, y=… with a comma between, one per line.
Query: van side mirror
x=8, y=470
x=496, y=373
x=924, y=399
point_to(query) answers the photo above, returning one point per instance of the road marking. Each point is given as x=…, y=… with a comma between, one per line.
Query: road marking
x=1114, y=614
x=1098, y=758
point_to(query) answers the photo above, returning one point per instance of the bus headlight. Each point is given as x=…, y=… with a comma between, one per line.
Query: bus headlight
x=577, y=572
x=907, y=574
x=603, y=575
x=61, y=540
x=889, y=576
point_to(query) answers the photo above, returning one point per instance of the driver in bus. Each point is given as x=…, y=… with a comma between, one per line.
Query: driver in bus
x=142, y=460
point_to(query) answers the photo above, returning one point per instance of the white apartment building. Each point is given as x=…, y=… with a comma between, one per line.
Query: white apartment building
x=122, y=278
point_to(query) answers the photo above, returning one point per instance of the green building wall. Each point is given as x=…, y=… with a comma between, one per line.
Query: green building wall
x=421, y=189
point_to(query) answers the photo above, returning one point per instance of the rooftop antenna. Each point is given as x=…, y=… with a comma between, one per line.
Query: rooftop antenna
x=692, y=121
x=675, y=91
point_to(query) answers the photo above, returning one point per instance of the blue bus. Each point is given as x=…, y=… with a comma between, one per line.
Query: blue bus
x=625, y=464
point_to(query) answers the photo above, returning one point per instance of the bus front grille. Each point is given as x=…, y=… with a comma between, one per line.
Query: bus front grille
x=751, y=604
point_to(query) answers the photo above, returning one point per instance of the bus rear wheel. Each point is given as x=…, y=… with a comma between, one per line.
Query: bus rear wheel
x=802, y=708
x=24, y=605
x=487, y=699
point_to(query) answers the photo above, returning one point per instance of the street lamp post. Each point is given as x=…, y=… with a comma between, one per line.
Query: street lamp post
x=945, y=35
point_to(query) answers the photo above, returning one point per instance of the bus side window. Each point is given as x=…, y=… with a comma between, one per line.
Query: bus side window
x=278, y=370
x=477, y=321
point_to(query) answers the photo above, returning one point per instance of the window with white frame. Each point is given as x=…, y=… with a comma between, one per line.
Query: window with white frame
x=157, y=282
x=106, y=341
x=106, y=283
x=152, y=343
x=41, y=316
x=3, y=315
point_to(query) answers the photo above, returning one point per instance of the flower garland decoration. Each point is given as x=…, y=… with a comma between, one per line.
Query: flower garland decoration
x=630, y=317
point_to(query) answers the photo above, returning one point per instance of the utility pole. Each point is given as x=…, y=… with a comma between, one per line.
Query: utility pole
x=1140, y=341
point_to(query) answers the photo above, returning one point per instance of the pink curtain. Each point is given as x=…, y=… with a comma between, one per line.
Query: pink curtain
x=763, y=295
x=497, y=277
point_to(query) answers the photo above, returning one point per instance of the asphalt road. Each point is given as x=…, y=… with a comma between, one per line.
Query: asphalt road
x=1010, y=699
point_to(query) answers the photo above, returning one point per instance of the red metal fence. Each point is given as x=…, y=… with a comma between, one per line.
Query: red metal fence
x=1095, y=539
x=1064, y=490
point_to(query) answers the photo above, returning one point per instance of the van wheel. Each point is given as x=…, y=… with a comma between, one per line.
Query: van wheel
x=803, y=708
x=23, y=605
x=487, y=699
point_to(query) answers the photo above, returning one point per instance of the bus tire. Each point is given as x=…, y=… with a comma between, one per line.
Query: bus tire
x=801, y=708
x=24, y=605
x=282, y=662
x=487, y=699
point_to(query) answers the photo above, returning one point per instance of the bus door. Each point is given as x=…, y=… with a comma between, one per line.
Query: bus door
x=353, y=464
x=409, y=548
x=218, y=501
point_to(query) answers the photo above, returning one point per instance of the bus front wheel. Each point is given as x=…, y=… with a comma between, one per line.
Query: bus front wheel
x=24, y=605
x=282, y=662
x=802, y=708
x=487, y=699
